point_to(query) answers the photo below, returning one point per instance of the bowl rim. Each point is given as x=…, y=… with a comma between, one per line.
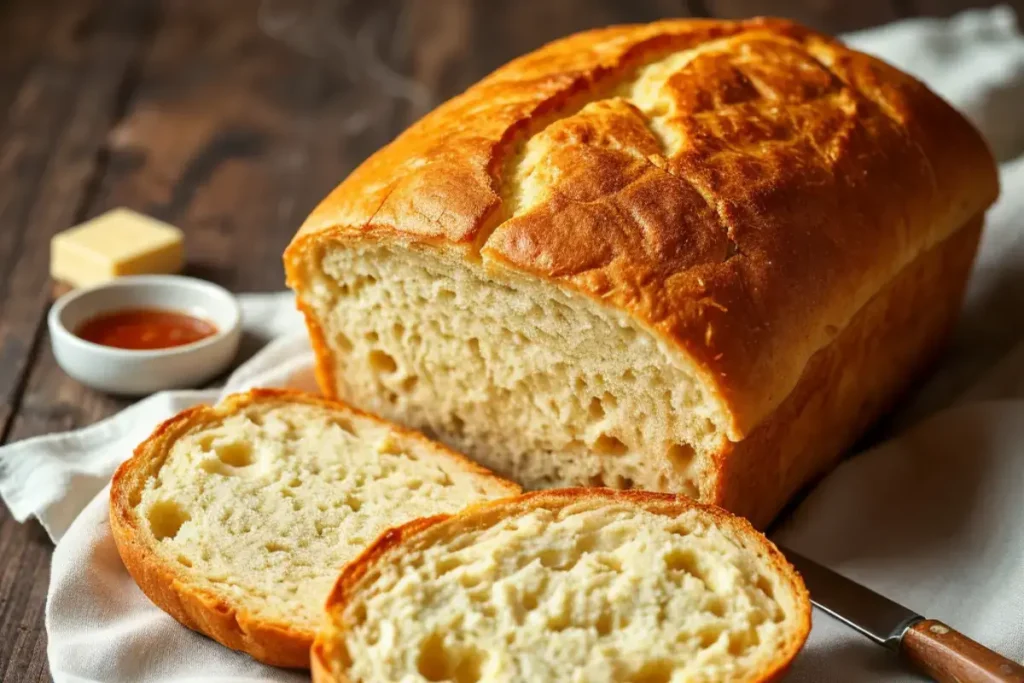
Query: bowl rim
x=183, y=282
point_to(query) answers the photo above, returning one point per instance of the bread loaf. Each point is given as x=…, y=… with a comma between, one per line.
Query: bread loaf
x=236, y=520
x=690, y=256
x=586, y=585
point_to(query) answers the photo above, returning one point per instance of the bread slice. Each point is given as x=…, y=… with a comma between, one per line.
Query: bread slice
x=567, y=585
x=236, y=519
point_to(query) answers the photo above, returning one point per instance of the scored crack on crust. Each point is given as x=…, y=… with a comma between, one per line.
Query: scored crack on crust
x=330, y=661
x=225, y=619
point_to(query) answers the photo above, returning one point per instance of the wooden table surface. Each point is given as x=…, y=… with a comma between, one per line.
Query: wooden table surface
x=230, y=119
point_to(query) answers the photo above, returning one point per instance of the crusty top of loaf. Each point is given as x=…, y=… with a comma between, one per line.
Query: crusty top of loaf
x=740, y=188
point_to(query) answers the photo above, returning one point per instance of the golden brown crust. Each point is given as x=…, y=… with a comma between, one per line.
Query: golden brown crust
x=781, y=182
x=850, y=383
x=318, y=668
x=392, y=541
x=170, y=587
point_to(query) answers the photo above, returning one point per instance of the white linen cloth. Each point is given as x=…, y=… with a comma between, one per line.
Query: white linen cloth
x=932, y=518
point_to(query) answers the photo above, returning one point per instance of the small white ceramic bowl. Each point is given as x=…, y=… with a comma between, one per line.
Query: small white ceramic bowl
x=132, y=372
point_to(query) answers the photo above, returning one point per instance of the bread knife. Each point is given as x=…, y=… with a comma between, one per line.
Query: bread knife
x=930, y=646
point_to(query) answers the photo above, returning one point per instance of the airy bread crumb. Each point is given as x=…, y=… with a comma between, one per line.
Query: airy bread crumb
x=258, y=503
x=539, y=386
x=571, y=585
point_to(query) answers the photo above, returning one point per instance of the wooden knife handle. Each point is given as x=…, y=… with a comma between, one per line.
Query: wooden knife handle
x=951, y=657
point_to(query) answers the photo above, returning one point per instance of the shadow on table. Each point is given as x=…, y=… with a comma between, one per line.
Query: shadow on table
x=854, y=661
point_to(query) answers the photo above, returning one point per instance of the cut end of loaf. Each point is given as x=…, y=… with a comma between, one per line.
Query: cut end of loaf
x=569, y=585
x=542, y=385
x=250, y=508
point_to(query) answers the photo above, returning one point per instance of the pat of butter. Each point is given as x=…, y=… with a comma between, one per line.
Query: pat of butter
x=119, y=242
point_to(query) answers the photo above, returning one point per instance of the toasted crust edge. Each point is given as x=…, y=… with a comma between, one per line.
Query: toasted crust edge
x=169, y=588
x=660, y=503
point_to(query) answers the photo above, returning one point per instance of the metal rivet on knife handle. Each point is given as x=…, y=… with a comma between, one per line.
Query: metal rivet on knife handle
x=951, y=657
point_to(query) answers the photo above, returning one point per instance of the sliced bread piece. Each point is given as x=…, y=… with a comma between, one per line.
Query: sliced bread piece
x=584, y=585
x=236, y=519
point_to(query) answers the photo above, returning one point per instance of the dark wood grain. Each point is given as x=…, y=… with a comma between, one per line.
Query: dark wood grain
x=51, y=145
x=504, y=30
x=231, y=120
x=948, y=656
x=832, y=17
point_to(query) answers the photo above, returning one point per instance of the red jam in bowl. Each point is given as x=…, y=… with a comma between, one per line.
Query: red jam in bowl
x=145, y=328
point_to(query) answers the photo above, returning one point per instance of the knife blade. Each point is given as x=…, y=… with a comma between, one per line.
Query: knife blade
x=874, y=615
x=932, y=647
